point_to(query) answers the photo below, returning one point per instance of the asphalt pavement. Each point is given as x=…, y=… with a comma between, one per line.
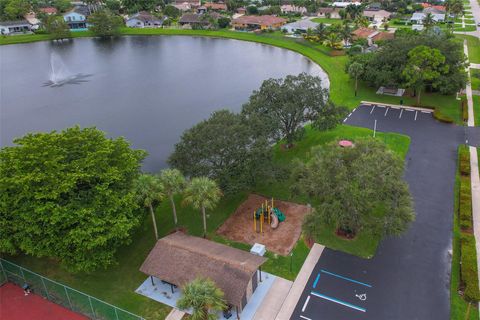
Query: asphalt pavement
x=409, y=277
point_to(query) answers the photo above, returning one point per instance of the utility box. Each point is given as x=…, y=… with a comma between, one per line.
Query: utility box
x=258, y=249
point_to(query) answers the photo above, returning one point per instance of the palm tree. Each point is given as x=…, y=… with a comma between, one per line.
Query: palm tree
x=353, y=11
x=202, y=193
x=332, y=40
x=149, y=190
x=203, y=297
x=361, y=22
x=355, y=70
x=173, y=183
x=428, y=21
x=346, y=33
x=321, y=31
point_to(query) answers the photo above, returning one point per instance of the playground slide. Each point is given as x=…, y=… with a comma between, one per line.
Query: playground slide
x=274, y=223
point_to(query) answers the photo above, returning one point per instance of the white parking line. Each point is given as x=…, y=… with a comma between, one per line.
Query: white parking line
x=416, y=113
x=303, y=317
x=409, y=110
x=373, y=108
x=400, y=116
x=349, y=115
x=386, y=111
x=305, y=304
x=345, y=119
x=354, y=110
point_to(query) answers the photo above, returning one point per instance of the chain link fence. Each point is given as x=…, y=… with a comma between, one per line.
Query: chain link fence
x=63, y=295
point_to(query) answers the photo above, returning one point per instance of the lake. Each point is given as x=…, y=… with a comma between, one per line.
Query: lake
x=147, y=89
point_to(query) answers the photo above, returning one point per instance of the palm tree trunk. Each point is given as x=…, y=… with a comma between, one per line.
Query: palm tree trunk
x=174, y=210
x=418, y=96
x=154, y=221
x=204, y=222
x=356, y=85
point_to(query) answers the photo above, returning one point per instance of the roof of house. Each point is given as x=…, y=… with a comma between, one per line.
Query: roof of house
x=364, y=33
x=191, y=2
x=144, y=16
x=303, y=24
x=292, y=8
x=179, y=258
x=215, y=6
x=429, y=5
x=380, y=36
x=341, y=4
x=328, y=10
x=377, y=13
x=48, y=10
x=259, y=20
x=14, y=23
x=433, y=10
x=419, y=16
x=198, y=18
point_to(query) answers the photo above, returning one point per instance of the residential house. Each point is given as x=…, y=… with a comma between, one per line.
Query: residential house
x=178, y=259
x=372, y=35
x=31, y=17
x=300, y=26
x=197, y=20
x=241, y=10
x=76, y=18
x=345, y=4
x=374, y=6
x=13, y=27
x=377, y=16
x=48, y=10
x=192, y=3
x=216, y=6
x=185, y=6
x=418, y=17
x=288, y=8
x=332, y=13
x=252, y=23
x=426, y=5
x=434, y=10
x=143, y=19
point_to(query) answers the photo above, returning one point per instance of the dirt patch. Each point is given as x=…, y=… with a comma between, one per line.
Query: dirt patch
x=239, y=227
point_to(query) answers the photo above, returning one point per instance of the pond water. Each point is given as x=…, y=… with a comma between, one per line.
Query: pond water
x=147, y=89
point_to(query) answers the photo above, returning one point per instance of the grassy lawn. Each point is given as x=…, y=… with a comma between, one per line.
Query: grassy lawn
x=473, y=47
x=327, y=20
x=116, y=284
x=460, y=309
x=475, y=79
x=476, y=109
x=466, y=29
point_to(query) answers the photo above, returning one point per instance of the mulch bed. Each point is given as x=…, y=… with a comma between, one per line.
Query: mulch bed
x=239, y=226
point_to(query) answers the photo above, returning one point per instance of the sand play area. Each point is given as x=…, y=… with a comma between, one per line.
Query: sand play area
x=239, y=227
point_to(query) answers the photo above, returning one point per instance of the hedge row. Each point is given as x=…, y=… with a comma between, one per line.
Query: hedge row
x=468, y=254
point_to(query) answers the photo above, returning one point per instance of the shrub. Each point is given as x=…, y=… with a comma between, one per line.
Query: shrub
x=441, y=117
x=468, y=267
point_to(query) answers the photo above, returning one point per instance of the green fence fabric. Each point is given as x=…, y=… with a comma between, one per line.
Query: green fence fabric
x=63, y=295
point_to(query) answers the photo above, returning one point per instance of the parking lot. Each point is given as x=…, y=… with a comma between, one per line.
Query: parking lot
x=409, y=276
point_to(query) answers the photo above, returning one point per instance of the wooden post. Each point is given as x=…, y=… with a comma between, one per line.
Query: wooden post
x=254, y=222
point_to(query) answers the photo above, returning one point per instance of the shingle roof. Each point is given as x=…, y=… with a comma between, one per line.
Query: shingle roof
x=14, y=23
x=179, y=258
x=259, y=20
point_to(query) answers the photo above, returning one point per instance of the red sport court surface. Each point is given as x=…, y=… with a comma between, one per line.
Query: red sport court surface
x=14, y=305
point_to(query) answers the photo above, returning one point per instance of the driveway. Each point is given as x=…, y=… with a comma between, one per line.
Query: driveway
x=409, y=277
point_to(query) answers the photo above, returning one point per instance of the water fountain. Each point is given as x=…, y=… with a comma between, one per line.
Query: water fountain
x=60, y=75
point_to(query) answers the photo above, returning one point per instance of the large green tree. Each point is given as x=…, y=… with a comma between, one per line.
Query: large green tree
x=385, y=67
x=281, y=107
x=225, y=148
x=204, y=298
x=173, y=183
x=104, y=23
x=202, y=193
x=425, y=65
x=57, y=27
x=355, y=189
x=149, y=191
x=68, y=195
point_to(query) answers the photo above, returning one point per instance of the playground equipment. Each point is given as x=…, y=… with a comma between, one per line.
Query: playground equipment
x=267, y=213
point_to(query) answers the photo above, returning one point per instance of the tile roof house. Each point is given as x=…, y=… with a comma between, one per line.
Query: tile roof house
x=377, y=15
x=372, y=35
x=179, y=258
x=216, y=6
x=143, y=19
x=433, y=10
x=192, y=3
x=418, y=17
x=288, y=8
x=258, y=22
x=48, y=10
x=198, y=20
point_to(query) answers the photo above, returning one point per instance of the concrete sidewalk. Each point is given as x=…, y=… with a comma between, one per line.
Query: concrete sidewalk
x=273, y=302
x=300, y=282
x=468, y=91
x=175, y=314
x=475, y=181
x=475, y=65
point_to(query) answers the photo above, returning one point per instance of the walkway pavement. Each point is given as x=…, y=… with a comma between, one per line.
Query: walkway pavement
x=475, y=65
x=300, y=283
x=175, y=314
x=475, y=7
x=475, y=180
x=471, y=118
x=273, y=302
